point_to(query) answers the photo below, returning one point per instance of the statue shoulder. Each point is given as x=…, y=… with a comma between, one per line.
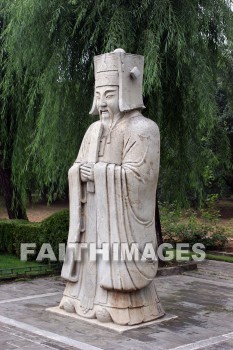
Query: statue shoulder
x=140, y=124
x=93, y=127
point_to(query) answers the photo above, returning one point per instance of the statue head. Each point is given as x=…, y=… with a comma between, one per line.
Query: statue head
x=107, y=101
x=118, y=82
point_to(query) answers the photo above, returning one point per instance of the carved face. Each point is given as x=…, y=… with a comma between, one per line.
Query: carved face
x=107, y=101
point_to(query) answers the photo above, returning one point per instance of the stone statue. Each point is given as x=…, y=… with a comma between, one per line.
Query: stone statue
x=112, y=200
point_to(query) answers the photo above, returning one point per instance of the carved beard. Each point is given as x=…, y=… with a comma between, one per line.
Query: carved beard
x=106, y=119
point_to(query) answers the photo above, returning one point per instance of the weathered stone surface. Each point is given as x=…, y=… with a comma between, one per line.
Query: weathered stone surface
x=110, y=325
x=112, y=201
x=204, y=308
x=176, y=270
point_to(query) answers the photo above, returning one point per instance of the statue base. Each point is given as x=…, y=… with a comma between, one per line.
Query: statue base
x=110, y=325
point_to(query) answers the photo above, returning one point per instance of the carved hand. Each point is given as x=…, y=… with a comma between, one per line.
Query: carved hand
x=87, y=172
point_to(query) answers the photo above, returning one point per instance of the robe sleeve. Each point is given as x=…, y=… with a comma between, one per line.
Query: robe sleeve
x=77, y=189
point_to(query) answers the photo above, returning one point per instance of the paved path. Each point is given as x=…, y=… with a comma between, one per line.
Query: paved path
x=202, y=300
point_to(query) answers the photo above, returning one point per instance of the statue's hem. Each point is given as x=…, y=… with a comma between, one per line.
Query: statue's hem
x=110, y=325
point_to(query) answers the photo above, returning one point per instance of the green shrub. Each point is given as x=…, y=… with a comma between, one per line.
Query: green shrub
x=213, y=237
x=53, y=230
x=7, y=229
x=178, y=227
x=211, y=212
x=27, y=233
x=216, y=242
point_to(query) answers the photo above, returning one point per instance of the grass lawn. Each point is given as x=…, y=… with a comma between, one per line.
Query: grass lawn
x=11, y=266
x=220, y=258
x=11, y=261
x=176, y=254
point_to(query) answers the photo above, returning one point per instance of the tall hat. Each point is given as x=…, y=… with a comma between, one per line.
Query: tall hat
x=121, y=69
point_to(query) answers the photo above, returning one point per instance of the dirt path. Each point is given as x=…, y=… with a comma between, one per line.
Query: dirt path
x=39, y=211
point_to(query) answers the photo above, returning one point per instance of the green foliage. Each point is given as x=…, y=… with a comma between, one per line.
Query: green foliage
x=218, y=145
x=27, y=233
x=15, y=232
x=210, y=212
x=7, y=235
x=48, y=82
x=53, y=230
x=11, y=261
x=217, y=240
x=179, y=227
x=185, y=233
x=220, y=258
x=12, y=267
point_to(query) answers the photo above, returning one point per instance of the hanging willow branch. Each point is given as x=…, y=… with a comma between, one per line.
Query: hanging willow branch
x=50, y=47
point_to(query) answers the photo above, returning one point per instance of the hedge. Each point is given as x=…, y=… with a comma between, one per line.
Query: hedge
x=53, y=230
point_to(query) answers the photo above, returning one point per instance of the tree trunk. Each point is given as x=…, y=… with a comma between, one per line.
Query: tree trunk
x=13, y=201
x=158, y=227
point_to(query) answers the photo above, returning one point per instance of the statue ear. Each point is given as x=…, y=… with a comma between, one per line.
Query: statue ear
x=94, y=110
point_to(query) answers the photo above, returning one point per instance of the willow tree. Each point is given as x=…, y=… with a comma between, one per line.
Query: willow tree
x=50, y=47
x=9, y=127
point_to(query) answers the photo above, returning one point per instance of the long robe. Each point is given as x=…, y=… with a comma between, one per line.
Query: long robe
x=118, y=207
